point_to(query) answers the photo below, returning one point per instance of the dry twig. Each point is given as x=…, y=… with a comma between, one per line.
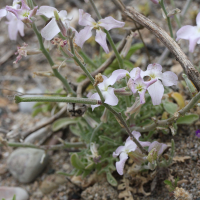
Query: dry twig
x=49, y=121
x=192, y=73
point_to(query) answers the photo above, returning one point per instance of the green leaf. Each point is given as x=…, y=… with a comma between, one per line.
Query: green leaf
x=133, y=49
x=36, y=111
x=76, y=162
x=167, y=182
x=170, y=107
x=63, y=122
x=106, y=139
x=81, y=78
x=188, y=119
x=14, y=197
x=111, y=179
x=128, y=64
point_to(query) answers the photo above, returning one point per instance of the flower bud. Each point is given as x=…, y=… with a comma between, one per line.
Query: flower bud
x=60, y=24
x=153, y=155
x=93, y=148
x=173, y=12
x=104, y=117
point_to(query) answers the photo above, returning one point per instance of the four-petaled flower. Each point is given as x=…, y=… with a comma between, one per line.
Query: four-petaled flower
x=156, y=90
x=129, y=149
x=14, y=25
x=191, y=33
x=52, y=29
x=86, y=20
x=107, y=92
x=24, y=13
x=139, y=85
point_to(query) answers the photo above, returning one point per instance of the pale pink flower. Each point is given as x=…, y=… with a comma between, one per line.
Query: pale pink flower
x=139, y=85
x=107, y=92
x=129, y=149
x=86, y=20
x=14, y=25
x=52, y=29
x=156, y=90
x=24, y=13
x=191, y=33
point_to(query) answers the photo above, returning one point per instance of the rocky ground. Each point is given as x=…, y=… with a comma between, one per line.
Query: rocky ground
x=31, y=173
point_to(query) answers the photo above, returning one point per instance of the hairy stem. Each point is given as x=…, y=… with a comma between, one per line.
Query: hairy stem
x=168, y=18
x=57, y=99
x=48, y=57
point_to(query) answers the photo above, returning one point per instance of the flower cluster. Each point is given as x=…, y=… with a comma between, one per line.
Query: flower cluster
x=136, y=83
x=130, y=149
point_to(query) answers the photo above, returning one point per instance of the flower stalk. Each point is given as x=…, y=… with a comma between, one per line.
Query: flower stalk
x=19, y=99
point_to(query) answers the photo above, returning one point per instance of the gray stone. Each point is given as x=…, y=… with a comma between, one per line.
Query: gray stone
x=8, y=193
x=26, y=164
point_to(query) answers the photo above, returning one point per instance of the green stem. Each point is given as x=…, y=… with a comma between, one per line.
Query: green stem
x=95, y=130
x=84, y=69
x=124, y=124
x=87, y=59
x=57, y=99
x=48, y=57
x=95, y=9
x=53, y=147
x=118, y=115
x=120, y=60
x=168, y=19
x=169, y=121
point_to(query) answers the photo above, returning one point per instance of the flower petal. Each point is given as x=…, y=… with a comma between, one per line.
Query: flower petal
x=47, y=11
x=118, y=151
x=3, y=13
x=198, y=20
x=137, y=135
x=110, y=23
x=187, y=32
x=154, y=66
x=160, y=147
x=20, y=27
x=156, y=92
x=142, y=96
x=110, y=97
x=120, y=164
x=83, y=35
x=97, y=97
x=101, y=39
x=169, y=78
x=192, y=44
x=50, y=30
x=85, y=19
x=12, y=29
x=117, y=75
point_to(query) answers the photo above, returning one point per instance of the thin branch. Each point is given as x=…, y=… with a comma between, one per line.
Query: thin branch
x=49, y=121
x=192, y=73
x=83, y=85
x=45, y=147
x=167, y=122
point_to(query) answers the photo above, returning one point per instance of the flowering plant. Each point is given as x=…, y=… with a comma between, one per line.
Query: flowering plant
x=99, y=104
